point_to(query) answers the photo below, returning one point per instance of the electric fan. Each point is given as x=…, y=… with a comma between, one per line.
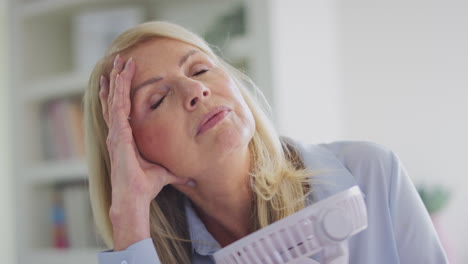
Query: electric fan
x=323, y=227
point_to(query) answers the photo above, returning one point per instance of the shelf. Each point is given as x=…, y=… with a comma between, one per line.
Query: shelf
x=43, y=7
x=56, y=172
x=62, y=85
x=38, y=8
x=57, y=256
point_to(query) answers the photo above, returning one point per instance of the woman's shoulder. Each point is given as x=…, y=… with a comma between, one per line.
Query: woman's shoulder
x=360, y=153
x=370, y=164
x=351, y=153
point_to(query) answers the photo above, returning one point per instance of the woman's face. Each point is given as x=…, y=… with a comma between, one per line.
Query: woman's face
x=174, y=87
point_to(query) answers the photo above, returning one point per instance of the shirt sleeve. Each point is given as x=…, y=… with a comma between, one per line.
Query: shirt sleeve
x=416, y=238
x=142, y=252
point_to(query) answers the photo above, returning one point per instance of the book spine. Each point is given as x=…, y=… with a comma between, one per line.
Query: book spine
x=60, y=239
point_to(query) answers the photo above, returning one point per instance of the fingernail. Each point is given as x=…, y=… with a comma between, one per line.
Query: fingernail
x=127, y=64
x=116, y=60
x=191, y=183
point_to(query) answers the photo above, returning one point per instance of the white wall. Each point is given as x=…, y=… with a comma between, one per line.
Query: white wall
x=304, y=64
x=392, y=72
x=6, y=215
x=405, y=70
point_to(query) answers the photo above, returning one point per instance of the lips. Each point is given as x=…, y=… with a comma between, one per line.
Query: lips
x=211, y=118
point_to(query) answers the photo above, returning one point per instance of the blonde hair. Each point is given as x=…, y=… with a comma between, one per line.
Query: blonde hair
x=279, y=181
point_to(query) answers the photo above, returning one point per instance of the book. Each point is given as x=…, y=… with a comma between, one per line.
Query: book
x=75, y=123
x=60, y=239
x=62, y=130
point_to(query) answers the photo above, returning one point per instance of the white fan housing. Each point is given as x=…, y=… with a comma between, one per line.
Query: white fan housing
x=324, y=226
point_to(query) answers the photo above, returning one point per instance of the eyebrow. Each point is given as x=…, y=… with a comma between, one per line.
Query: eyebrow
x=186, y=56
x=157, y=79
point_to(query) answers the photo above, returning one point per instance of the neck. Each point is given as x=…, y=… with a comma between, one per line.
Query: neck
x=223, y=199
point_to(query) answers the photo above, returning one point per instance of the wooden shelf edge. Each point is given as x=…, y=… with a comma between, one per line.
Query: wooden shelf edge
x=71, y=256
x=61, y=85
x=43, y=7
x=56, y=172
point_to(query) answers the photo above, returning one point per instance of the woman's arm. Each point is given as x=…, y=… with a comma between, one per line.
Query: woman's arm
x=400, y=229
x=416, y=238
x=135, y=182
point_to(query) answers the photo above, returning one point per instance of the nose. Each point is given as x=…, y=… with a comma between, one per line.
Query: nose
x=194, y=92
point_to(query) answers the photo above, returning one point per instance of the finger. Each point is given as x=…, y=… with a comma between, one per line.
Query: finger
x=166, y=176
x=117, y=115
x=126, y=77
x=113, y=74
x=103, y=94
x=172, y=179
x=121, y=104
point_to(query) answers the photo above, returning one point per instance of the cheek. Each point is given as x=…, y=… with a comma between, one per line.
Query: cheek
x=235, y=93
x=154, y=142
x=244, y=109
x=245, y=121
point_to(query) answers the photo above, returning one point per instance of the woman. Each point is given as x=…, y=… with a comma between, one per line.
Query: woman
x=183, y=161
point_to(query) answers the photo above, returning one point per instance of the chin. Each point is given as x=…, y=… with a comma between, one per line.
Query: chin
x=230, y=140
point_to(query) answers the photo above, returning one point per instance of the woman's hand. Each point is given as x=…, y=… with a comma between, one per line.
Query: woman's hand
x=135, y=181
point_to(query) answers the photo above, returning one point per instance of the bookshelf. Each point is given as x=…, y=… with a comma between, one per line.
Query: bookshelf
x=45, y=76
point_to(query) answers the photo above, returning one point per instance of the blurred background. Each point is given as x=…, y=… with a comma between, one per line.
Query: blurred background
x=391, y=72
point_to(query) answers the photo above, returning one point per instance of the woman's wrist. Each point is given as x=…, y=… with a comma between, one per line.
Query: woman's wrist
x=130, y=223
x=127, y=236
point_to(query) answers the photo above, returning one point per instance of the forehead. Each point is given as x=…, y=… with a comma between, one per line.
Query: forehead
x=161, y=50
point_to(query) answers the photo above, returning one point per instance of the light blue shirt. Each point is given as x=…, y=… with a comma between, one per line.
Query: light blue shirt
x=399, y=227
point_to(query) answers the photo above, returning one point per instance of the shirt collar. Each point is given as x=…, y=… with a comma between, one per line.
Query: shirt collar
x=202, y=241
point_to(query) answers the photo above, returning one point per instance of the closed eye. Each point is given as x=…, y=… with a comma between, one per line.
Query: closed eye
x=157, y=103
x=200, y=72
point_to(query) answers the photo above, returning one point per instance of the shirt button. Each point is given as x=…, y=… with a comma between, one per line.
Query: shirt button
x=124, y=262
